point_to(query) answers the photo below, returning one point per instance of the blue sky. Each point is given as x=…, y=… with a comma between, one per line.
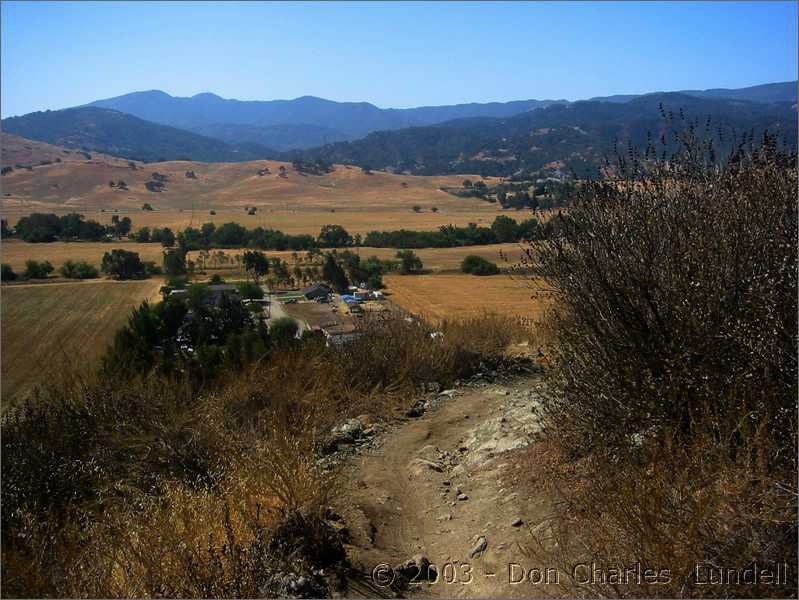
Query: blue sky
x=61, y=54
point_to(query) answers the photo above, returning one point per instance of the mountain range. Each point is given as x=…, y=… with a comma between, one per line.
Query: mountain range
x=299, y=123
x=575, y=137
x=491, y=138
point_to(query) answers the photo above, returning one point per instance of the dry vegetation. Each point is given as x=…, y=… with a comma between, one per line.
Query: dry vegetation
x=152, y=487
x=47, y=328
x=673, y=400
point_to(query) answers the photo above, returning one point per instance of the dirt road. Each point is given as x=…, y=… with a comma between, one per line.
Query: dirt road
x=444, y=485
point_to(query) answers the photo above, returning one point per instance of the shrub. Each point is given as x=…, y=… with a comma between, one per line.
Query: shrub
x=78, y=270
x=7, y=273
x=409, y=262
x=675, y=382
x=477, y=265
x=37, y=270
x=283, y=331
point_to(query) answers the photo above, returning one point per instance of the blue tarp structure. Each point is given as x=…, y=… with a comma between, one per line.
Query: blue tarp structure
x=349, y=299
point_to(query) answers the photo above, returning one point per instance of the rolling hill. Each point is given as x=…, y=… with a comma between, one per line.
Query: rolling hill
x=127, y=136
x=576, y=136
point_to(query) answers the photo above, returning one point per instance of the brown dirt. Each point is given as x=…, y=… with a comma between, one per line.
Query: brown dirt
x=397, y=507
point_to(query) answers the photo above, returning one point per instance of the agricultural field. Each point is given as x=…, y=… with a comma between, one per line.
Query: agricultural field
x=434, y=259
x=47, y=325
x=16, y=252
x=450, y=296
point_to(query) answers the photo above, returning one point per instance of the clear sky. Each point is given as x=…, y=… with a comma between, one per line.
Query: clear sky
x=61, y=54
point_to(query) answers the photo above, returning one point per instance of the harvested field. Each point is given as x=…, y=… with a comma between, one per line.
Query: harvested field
x=45, y=326
x=16, y=252
x=449, y=296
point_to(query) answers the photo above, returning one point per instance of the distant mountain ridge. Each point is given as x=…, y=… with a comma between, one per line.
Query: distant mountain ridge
x=309, y=121
x=314, y=120
x=525, y=136
x=557, y=139
x=785, y=91
x=123, y=135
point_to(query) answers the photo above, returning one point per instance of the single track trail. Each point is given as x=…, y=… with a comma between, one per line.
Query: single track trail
x=449, y=485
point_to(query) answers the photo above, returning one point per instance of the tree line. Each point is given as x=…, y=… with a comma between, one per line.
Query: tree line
x=504, y=229
x=49, y=227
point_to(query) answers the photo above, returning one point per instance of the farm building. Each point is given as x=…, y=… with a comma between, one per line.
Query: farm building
x=317, y=291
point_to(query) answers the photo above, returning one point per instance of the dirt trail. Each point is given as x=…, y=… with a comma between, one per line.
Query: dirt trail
x=438, y=483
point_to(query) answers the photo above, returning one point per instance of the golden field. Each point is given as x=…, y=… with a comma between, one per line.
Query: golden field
x=47, y=325
x=16, y=252
x=451, y=296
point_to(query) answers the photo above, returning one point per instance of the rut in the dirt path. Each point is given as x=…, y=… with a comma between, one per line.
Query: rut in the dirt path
x=438, y=486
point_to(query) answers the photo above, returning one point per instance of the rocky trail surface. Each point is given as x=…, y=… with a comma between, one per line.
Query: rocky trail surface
x=439, y=491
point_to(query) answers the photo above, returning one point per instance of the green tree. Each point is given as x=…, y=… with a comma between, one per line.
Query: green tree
x=255, y=263
x=167, y=238
x=175, y=262
x=334, y=236
x=506, y=229
x=123, y=264
x=142, y=235
x=251, y=291
x=334, y=274
x=146, y=206
x=410, y=263
x=120, y=227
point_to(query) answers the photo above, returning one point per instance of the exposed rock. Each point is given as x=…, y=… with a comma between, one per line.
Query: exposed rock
x=462, y=497
x=420, y=465
x=517, y=523
x=479, y=547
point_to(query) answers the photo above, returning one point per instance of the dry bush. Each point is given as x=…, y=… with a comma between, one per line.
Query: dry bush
x=674, y=393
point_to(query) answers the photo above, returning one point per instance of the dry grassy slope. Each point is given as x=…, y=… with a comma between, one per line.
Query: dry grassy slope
x=16, y=150
x=296, y=203
x=47, y=326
